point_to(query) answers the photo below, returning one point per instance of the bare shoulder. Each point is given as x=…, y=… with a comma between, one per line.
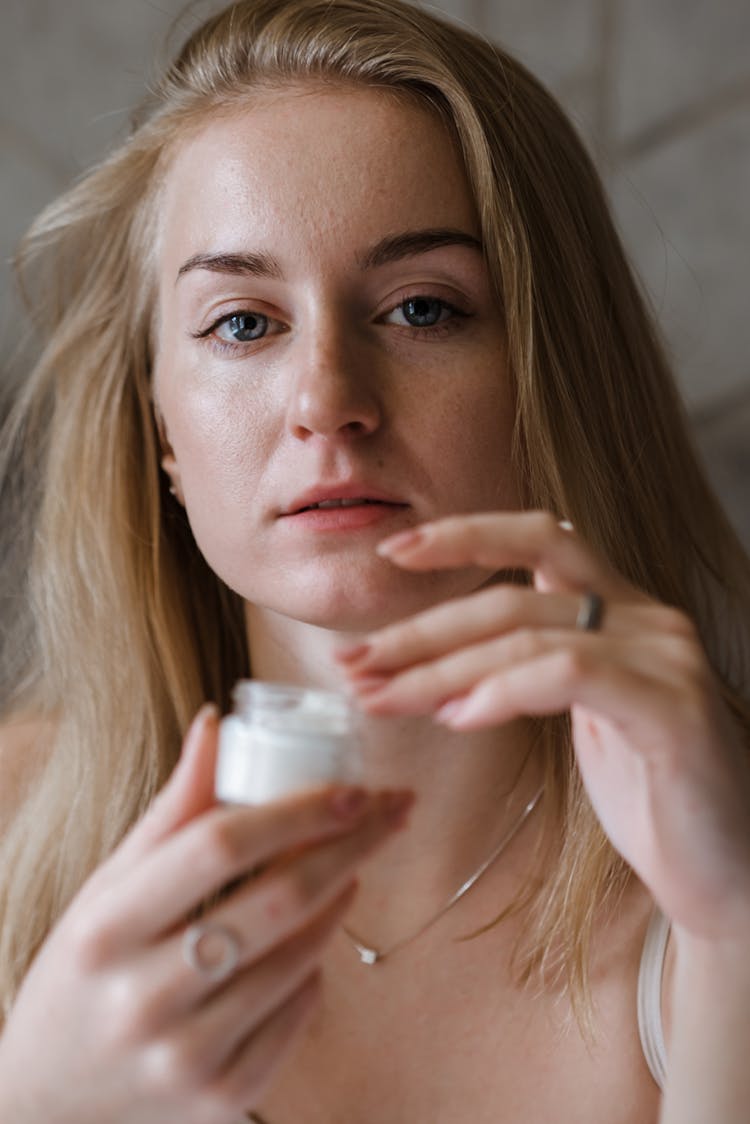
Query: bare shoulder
x=25, y=741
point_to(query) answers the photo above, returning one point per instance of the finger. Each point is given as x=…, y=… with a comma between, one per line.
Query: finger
x=480, y=616
x=216, y=1027
x=634, y=687
x=454, y=624
x=250, y=1072
x=287, y=897
x=226, y=844
x=530, y=540
x=422, y=689
x=222, y=1083
x=188, y=792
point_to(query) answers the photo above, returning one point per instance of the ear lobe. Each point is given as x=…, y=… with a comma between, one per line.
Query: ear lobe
x=161, y=429
x=168, y=459
x=169, y=465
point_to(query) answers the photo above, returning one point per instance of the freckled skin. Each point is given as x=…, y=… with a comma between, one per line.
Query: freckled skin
x=335, y=391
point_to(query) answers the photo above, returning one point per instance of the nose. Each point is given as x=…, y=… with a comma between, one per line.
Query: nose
x=334, y=391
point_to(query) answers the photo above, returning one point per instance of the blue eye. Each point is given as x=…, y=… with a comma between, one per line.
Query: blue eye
x=423, y=312
x=429, y=315
x=243, y=327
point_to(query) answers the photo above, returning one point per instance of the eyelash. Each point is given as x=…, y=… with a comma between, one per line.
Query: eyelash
x=444, y=328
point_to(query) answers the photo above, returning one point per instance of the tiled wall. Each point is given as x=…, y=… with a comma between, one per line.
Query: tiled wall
x=659, y=88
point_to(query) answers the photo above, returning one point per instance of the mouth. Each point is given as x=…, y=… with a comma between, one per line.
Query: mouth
x=333, y=512
x=326, y=505
x=333, y=495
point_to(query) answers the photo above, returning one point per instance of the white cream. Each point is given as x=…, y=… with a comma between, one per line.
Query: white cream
x=281, y=739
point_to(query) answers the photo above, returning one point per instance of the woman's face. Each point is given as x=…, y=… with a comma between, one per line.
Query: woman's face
x=327, y=331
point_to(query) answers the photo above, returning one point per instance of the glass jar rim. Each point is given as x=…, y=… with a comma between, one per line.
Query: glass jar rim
x=287, y=703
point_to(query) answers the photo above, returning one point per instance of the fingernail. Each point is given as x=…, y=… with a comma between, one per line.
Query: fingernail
x=450, y=710
x=404, y=540
x=351, y=652
x=208, y=712
x=348, y=803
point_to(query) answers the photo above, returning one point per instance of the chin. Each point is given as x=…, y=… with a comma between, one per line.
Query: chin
x=348, y=604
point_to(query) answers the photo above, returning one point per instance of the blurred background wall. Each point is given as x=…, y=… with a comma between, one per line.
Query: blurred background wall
x=660, y=90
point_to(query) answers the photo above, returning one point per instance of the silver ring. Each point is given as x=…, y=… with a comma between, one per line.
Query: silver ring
x=210, y=950
x=590, y=613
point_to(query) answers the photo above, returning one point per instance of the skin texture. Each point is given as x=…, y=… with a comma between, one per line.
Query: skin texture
x=653, y=740
x=128, y=1031
x=341, y=388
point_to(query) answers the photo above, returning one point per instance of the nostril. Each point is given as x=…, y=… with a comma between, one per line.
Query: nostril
x=328, y=407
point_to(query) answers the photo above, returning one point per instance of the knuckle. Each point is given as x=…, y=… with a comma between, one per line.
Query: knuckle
x=700, y=679
x=685, y=651
x=225, y=1096
x=545, y=525
x=92, y=940
x=693, y=659
x=289, y=894
x=127, y=1019
x=676, y=622
x=172, y=1066
x=222, y=846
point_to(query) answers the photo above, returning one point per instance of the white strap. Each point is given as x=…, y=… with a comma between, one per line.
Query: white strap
x=650, y=976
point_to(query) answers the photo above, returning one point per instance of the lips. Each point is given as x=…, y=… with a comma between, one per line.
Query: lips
x=330, y=497
x=353, y=506
x=327, y=505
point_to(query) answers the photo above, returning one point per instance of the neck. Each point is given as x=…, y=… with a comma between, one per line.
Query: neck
x=461, y=780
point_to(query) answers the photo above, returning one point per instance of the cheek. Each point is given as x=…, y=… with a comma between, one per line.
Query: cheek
x=221, y=440
x=217, y=430
x=471, y=439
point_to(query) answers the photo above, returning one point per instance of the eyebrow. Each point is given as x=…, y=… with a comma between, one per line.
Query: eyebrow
x=251, y=264
x=397, y=246
x=392, y=248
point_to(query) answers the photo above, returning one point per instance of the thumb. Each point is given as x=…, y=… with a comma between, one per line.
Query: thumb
x=189, y=790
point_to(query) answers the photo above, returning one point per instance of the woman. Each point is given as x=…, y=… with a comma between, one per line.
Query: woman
x=356, y=258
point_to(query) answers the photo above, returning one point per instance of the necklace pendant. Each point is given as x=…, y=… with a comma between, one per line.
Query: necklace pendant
x=368, y=955
x=371, y=956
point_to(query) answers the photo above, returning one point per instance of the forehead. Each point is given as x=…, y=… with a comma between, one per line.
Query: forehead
x=316, y=170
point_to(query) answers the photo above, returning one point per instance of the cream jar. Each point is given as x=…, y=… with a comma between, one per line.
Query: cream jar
x=280, y=739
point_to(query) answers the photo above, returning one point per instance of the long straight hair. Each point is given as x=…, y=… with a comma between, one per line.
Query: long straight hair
x=126, y=629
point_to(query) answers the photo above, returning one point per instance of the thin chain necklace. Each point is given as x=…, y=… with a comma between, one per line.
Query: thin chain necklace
x=369, y=955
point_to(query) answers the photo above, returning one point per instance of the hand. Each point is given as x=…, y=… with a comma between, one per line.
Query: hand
x=111, y=1022
x=661, y=757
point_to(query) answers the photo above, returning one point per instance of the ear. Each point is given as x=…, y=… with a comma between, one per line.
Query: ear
x=168, y=459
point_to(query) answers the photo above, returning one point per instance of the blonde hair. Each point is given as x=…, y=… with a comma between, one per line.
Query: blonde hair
x=128, y=630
